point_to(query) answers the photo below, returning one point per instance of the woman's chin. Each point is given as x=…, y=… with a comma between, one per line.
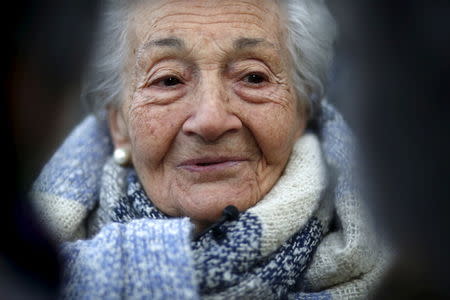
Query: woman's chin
x=205, y=204
x=210, y=210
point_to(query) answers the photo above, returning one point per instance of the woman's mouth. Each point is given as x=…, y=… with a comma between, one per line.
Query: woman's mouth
x=209, y=164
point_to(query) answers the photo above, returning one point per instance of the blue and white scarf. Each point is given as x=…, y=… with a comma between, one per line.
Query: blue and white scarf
x=308, y=238
x=231, y=264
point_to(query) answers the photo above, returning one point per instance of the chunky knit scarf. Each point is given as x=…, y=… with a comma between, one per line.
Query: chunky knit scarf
x=308, y=238
x=247, y=260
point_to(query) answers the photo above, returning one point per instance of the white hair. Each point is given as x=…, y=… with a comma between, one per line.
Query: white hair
x=311, y=32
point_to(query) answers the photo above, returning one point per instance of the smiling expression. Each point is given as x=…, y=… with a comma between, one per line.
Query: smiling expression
x=209, y=111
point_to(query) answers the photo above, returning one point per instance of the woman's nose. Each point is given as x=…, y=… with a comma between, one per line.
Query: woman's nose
x=211, y=118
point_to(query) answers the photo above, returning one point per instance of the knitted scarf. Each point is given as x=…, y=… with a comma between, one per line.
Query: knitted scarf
x=262, y=254
x=308, y=238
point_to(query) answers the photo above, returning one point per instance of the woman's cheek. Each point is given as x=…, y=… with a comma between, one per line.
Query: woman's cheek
x=273, y=126
x=152, y=129
x=153, y=113
x=275, y=137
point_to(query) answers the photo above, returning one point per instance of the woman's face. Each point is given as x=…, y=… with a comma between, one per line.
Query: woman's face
x=209, y=111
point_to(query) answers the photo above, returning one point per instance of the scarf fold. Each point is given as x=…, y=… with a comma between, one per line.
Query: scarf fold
x=280, y=248
x=353, y=258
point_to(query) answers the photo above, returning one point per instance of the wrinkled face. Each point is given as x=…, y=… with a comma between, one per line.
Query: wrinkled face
x=209, y=111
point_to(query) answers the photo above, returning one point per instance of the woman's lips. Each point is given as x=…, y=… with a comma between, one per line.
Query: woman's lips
x=209, y=164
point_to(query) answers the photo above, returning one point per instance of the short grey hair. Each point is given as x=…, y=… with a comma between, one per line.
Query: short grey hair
x=311, y=31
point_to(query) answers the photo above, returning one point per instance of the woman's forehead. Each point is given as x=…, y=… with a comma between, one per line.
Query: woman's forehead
x=189, y=20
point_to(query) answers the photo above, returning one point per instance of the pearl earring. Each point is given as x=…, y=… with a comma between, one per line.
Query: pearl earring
x=122, y=156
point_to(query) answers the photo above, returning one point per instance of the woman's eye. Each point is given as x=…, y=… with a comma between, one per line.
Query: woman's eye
x=167, y=82
x=254, y=78
x=170, y=81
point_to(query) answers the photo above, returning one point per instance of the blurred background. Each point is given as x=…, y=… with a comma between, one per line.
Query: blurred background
x=390, y=80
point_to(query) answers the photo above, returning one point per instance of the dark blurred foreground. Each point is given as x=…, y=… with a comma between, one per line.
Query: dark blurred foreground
x=391, y=83
x=395, y=93
x=44, y=50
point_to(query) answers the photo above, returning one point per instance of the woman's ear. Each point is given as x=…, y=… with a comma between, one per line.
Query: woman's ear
x=118, y=128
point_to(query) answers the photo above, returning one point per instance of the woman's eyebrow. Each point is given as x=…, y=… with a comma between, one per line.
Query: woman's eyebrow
x=239, y=44
x=243, y=43
x=170, y=42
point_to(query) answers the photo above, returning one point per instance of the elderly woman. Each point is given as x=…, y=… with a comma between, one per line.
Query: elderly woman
x=229, y=176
